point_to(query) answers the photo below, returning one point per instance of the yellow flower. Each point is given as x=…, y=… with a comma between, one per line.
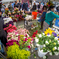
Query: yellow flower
x=58, y=38
x=54, y=43
x=46, y=32
x=53, y=49
x=49, y=29
x=57, y=35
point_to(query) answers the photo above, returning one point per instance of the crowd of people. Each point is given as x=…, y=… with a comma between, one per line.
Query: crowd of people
x=47, y=15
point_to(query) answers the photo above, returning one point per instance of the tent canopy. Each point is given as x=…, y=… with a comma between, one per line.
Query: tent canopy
x=8, y=0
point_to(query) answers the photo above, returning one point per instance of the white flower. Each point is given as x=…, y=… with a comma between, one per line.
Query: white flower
x=44, y=45
x=43, y=34
x=36, y=40
x=42, y=50
x=58, y=48
x=44, y=57
x=27, y=35
x=17, y=34
x=37, y=45
x=40, y=35
x=47, y=42
x=50, y=53
x=48, y=35
x=55, y=48
x=58, y=42
x=56, y=53
x=56, y=38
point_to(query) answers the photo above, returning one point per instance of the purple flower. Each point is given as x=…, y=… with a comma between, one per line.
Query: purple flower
x=58, y=36
x=48, y=34
x=54, y=34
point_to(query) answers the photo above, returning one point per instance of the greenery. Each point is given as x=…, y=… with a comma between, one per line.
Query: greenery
x=15, y=53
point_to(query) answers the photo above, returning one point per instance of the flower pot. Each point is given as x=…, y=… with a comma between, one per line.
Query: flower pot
x=41, y=53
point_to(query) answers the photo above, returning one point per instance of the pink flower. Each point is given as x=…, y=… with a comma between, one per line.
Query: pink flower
x=29, y=46
x=25, y=39
x=31, y=39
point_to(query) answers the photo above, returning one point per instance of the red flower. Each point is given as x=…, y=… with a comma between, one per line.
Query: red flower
x=29, y=47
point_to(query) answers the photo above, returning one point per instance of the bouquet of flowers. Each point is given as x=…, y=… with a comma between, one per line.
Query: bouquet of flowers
x=34, y=34
x=50, y=31
x=11, y=42
x=47, y=43
x=25, y=42
x=49, y=4
x=14, y=52
x=16, y=10
x=14, y=35
x=6, y=11
x=10, y=28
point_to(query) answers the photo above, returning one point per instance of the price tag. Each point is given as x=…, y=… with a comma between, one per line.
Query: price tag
x=0, y=47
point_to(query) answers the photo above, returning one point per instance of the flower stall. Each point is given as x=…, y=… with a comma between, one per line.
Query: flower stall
x=19, y=41
x=47, y=42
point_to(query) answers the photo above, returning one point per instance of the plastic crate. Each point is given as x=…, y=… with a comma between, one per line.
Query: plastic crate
x=57, y=22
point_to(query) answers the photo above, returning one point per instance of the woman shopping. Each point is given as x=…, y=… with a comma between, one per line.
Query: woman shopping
x=50, y=15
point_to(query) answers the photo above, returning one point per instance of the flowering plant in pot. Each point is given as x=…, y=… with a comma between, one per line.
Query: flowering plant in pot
x=14, y=52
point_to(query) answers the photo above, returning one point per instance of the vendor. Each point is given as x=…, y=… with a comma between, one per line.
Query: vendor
x=50, y=15
x=43, y=16
x=3, y=35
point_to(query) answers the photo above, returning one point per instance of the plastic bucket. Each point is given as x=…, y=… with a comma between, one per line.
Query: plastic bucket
x=34, y=14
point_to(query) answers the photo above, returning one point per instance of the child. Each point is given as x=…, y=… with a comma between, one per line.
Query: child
x=43, y=16
x=50, y=15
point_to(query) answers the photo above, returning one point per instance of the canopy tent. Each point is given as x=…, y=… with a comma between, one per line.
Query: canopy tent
x=8, y=1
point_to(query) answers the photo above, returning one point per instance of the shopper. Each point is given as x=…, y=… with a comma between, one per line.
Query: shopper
x=25, y=6
x=43, y=16
x=15, y=5
x=39, y=5
x=3, y=8
x=34, y=7
x=19, y=5
x=50, y=15
x=3, y=35
x=10, y=7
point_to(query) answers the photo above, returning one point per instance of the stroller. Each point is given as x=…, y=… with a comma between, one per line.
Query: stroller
x=2, y=52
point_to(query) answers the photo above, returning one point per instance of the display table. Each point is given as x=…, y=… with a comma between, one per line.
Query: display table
x=28, y=23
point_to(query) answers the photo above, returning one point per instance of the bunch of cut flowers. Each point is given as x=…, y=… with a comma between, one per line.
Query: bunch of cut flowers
x=10, y=28
x=14, y=52
x=47, y=43
x=51, y=31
